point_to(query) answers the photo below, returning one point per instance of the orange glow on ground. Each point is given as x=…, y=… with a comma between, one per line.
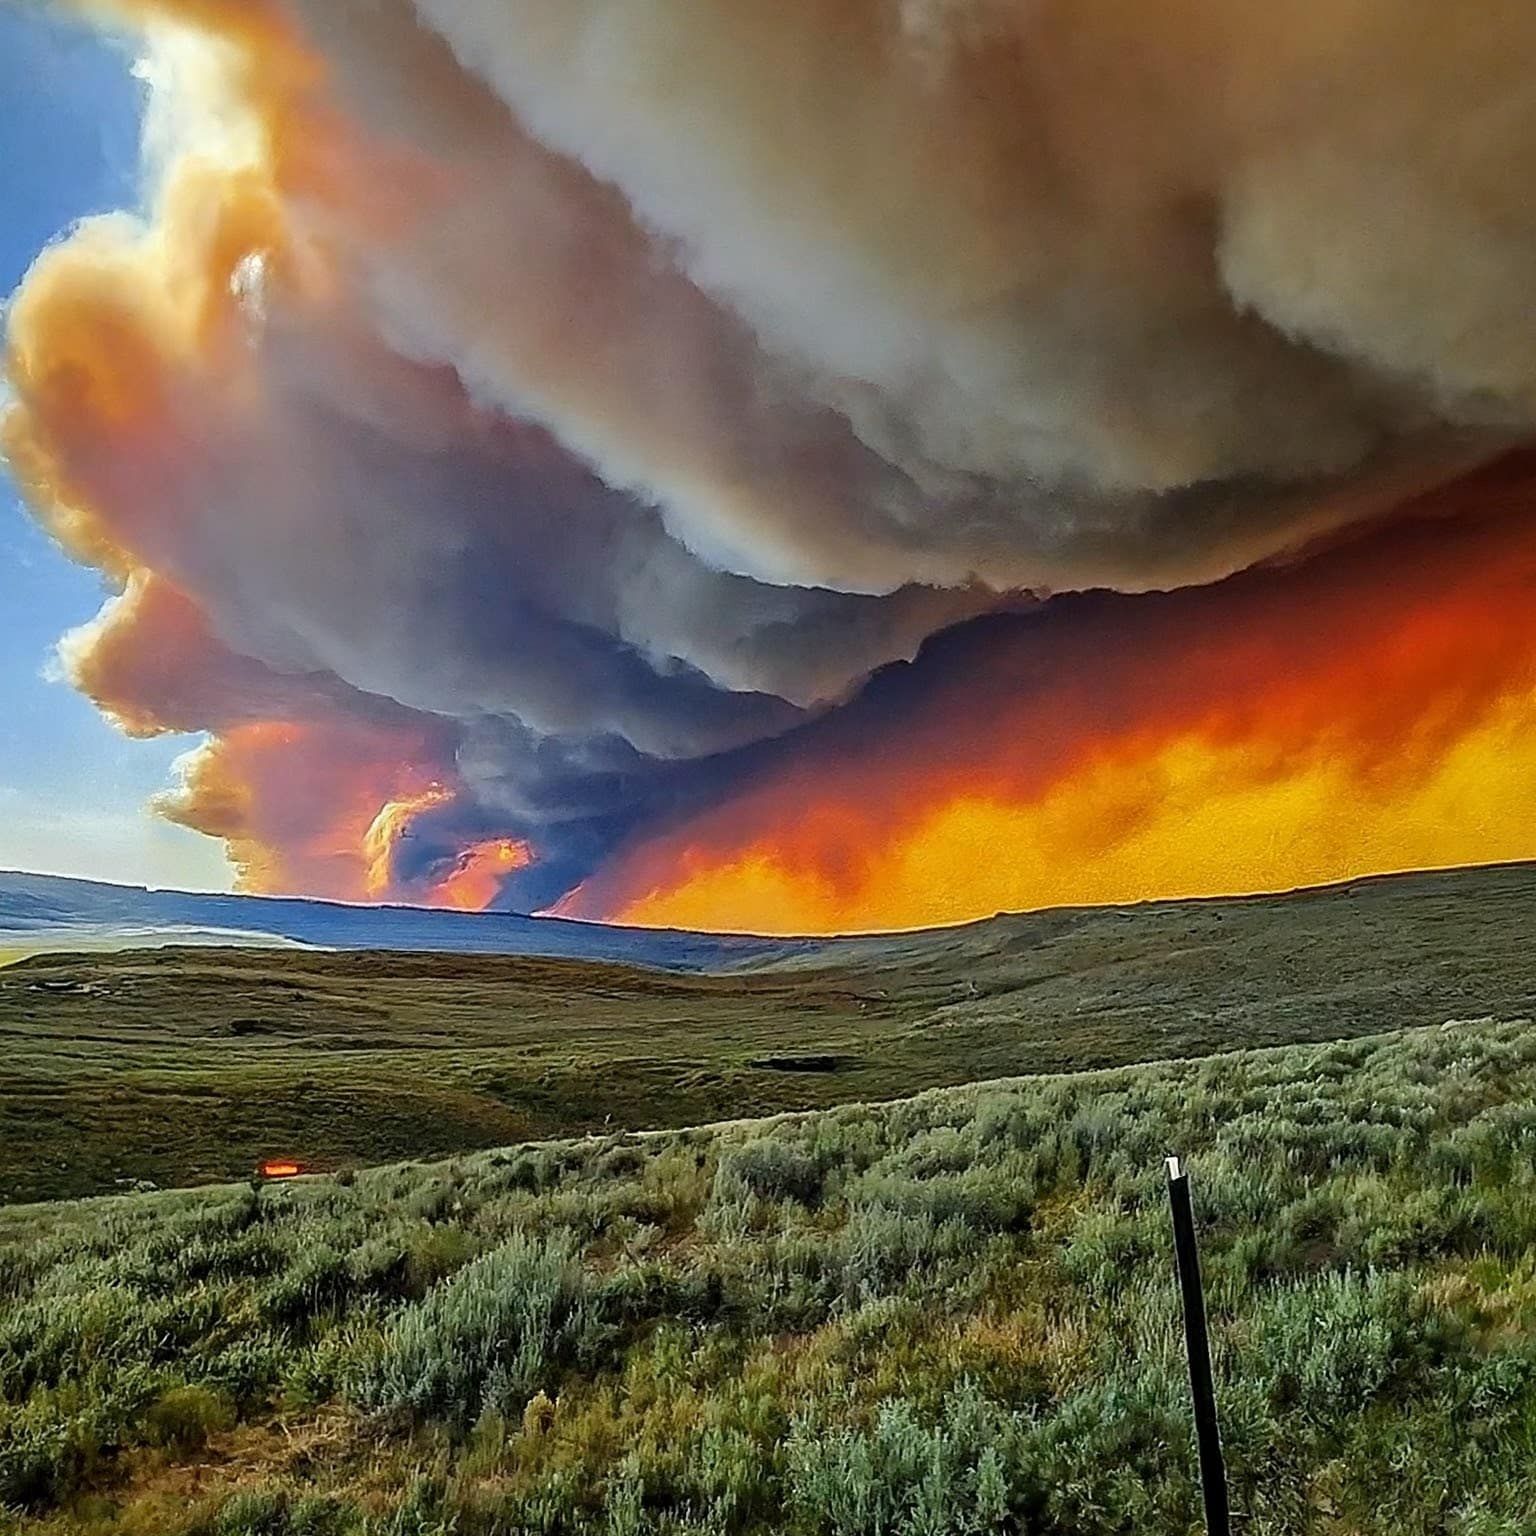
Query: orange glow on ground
x=278, y=1168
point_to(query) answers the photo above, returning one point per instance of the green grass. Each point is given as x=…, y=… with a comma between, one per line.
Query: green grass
x=187, y=1066
x=951, y=1314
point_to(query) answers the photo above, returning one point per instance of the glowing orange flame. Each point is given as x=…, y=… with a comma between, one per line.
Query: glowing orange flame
x=280, y=1168
x=471, y=885
x=1368, y=710
x=385, y=832
x=476, y=878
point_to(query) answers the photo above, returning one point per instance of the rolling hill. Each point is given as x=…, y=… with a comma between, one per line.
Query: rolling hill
x=184, y=1065
x=953, y=1315
x=52, y=912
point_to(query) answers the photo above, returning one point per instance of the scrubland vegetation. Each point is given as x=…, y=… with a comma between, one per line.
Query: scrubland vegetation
x=953, y=1314
x=185, y=1067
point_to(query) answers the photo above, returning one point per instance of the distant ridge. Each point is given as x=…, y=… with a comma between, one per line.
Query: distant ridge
x=184, y=1065
x=57, y=912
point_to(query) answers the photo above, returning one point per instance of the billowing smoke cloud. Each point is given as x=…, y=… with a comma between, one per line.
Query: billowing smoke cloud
x=1373, y=708
x=519, y=426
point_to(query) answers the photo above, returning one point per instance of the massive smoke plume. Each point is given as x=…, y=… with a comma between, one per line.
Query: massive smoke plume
x=522, y=429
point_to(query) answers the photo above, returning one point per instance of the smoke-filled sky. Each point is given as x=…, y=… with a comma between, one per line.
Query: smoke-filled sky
x=817, y=464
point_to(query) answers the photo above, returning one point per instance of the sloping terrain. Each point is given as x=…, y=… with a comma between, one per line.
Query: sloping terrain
x=49, y=912
x=180, y=1066
x=947, y=1316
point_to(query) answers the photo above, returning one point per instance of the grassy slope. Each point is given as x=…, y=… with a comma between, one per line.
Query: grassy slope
x=185, y=1066
x=953, y=1314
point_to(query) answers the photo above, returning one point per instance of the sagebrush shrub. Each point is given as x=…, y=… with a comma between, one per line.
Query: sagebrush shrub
x=487, y=1338
x=947, y=1315
x=768, y=1169
x=182, y=1418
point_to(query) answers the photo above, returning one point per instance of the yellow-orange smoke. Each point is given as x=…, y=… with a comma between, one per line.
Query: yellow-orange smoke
x=1185, y=820
x=533, y=441
x=382, y=839
x=300, y=804
x=478, y=874
x=1291, y=726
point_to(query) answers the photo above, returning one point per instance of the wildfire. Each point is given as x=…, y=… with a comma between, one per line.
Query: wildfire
x=472, y=883
x=1288, y=727
x=998, y=540
x=478, y=873
x=385, y=832
x=1184, y=821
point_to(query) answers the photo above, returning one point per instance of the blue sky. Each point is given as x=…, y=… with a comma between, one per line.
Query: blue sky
x=72, y=790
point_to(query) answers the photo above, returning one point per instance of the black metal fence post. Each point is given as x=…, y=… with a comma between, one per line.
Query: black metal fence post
x=1213, y=1473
